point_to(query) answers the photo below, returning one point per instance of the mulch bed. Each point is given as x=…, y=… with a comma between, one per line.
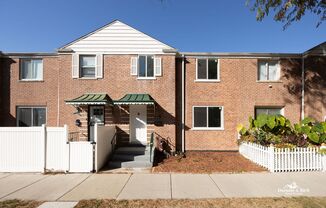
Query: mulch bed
x=207, y=162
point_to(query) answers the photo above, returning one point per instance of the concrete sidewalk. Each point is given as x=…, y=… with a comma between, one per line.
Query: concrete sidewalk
x=75, y=187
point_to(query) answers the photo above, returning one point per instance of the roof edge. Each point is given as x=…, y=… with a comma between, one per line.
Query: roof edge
x=28, y=54
x=240, y=54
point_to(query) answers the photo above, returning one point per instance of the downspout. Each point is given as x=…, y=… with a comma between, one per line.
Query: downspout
x=302, y=87
x=58, y=96
x=183, y=105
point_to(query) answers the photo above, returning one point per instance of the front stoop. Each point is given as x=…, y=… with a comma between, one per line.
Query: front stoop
x=131, y=157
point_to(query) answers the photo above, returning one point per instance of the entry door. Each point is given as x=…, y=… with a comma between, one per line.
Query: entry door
x=138, y=122
x=96, y=115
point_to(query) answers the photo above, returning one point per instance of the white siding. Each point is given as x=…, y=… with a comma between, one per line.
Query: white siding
x=118, y=38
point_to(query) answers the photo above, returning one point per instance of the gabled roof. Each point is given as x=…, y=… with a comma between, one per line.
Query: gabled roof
x=117, y=38
x=319, y=49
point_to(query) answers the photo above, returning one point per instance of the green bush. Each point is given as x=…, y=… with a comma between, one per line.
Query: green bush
x=278, y=130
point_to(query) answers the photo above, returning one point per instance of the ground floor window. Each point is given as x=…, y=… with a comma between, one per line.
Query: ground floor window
x=31, y=116
x=268, y=111
x=208, y=117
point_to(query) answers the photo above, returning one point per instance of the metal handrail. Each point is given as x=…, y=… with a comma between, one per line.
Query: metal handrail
x=151, y=149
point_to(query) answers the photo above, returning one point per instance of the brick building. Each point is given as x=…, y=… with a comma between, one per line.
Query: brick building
x=120, y=76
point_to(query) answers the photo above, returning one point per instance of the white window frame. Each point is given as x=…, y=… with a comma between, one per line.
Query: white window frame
x=208, y=80
x=31, y=107
x=80, y=66
x=138, y=68
x=278, y=66
x=208, y=128
x=21, y=68
x=269, y=107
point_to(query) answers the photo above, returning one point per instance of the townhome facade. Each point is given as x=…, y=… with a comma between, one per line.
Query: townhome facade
x=122, y=77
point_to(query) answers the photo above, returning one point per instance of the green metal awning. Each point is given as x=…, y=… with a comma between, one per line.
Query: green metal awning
x=90, y=99
x=135, y=99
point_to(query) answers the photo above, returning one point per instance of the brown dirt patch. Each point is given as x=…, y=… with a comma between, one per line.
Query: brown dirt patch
x=298, y=202
x=19, y=204
x=208, y=162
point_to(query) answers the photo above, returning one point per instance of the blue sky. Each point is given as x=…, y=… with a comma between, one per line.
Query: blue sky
x=188, y=25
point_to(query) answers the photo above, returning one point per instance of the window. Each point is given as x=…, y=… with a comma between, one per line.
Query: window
x=207, y=69
x=31, y=69
x=268, y=111
x=146, y=66
x=208, y=117
x=87, y=66
x=268, y=71
x=31, y=116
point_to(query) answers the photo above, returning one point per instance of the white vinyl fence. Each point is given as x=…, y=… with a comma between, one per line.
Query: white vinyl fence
x=57, y=150
x=40, y=149
x=22, y=149
x=284, y=159
x=81, y=157
x=104, y=137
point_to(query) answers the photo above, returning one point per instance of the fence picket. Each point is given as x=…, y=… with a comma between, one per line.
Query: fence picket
x=282, y=159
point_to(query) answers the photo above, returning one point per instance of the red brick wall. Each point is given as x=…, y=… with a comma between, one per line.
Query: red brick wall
x=116, y=83
x=238, y=92
x=28, y=93
x=315, y=87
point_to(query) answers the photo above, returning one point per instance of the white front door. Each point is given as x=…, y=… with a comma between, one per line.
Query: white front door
x=96, y=115
x=138, y=123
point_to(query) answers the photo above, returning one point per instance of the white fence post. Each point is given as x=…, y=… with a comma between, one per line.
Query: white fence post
x=43, y=133
x=271, y=157
x=66, y=133
x=95, y=168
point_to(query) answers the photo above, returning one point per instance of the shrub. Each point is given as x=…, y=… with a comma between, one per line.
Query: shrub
x=278, y=130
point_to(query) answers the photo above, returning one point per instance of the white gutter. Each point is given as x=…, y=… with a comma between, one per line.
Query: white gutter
x=183, y=105
x=302, y=87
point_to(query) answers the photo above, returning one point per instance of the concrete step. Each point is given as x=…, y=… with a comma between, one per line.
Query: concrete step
x=129, y=157
x=141, y=150
x=130, y=164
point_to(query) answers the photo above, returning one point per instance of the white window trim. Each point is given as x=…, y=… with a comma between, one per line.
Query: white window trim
x=208, y=128
x=32, y=107
x=278, y=66
x=270, y=107
x=80, y=66
x=208, y=80
x=21, y=67
x=146, y=78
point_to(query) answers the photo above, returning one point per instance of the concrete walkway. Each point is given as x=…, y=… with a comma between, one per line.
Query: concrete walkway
x=75, y=187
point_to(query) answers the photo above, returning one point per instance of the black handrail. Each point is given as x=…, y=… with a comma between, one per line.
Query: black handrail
x=151, y=145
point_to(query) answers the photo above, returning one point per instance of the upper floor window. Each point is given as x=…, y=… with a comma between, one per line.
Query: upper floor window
x=31, y=116
x=31, y=69
x=268, y=111
x=87, y=66
x=208, y=117
x=207, y=70
x=146, y=66
x=268, y=71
